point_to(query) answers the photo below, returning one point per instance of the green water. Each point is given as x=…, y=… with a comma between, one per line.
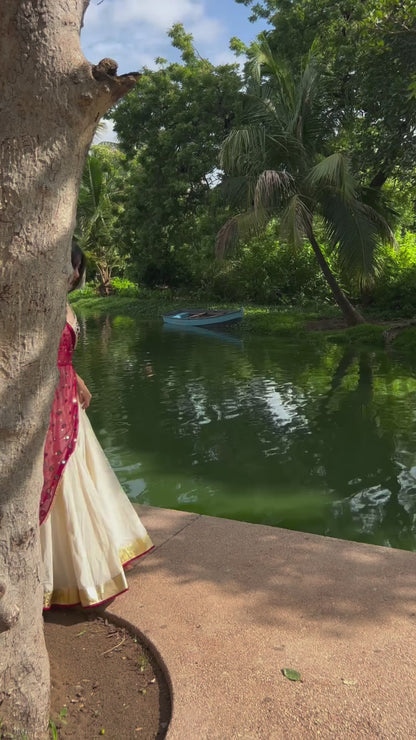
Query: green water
x=299, y=435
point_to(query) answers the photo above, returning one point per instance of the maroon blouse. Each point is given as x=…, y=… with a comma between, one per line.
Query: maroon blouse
x=63, y=423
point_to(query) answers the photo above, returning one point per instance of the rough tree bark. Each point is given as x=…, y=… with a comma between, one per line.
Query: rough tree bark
x=51, y=99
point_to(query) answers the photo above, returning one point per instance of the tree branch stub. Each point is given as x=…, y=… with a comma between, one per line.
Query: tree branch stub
x=115, y=86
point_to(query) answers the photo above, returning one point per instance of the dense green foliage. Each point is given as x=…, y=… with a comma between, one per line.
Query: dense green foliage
x=151, y=207
x=266, y=270
x=171, y=128
x=394, y=291
x=368, y=54
x=99, y=213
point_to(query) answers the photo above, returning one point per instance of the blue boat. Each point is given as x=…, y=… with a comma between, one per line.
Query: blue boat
x=201, y=317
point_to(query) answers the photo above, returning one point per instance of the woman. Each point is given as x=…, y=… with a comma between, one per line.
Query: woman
x=89, y=529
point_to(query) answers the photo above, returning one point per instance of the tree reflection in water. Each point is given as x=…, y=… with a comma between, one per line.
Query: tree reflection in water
x=302, y=435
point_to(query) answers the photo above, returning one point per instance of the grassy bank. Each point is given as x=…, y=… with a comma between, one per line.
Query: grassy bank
x=259, y=320
x=318, y=323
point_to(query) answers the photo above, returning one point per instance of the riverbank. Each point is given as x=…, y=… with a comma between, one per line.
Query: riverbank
x=322, y=323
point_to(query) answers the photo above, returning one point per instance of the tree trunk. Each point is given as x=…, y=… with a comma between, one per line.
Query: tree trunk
x=105, y=280
x=51, y=99
x=352, y=316
x=379, y=179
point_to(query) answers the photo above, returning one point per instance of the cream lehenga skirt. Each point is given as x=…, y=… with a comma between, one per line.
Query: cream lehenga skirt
x=91, y=532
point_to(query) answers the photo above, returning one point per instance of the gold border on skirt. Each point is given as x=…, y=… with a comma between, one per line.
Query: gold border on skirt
x=98, y=593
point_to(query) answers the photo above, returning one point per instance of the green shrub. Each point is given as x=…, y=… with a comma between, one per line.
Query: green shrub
x=88, y=291
x=265, y=272
x=124, y=287
x=395, y=289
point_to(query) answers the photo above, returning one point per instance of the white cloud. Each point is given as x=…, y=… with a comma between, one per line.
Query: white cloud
x=161, y=14
x=135, y=32
x=225, y=56
x=207, y=31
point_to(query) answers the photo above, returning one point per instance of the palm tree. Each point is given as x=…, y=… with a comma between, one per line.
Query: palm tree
x=96, y=221
x=278, y=164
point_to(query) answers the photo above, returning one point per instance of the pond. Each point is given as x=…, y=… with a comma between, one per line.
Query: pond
x=297, y=434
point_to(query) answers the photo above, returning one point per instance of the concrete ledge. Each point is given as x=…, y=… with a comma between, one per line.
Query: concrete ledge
x=229, y=604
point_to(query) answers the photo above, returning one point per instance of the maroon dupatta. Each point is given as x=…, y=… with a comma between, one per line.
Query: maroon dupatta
x=62, y=433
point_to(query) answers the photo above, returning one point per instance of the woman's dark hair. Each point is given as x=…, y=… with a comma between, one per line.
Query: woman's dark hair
x=77, y=260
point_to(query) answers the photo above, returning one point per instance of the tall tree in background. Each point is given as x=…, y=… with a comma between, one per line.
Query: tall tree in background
x=51, y=101
x=368, y=51
x=279, y=162
x=171, y=128
x=100, y=206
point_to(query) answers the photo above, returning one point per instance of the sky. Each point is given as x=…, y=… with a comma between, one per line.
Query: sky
x=134, y=32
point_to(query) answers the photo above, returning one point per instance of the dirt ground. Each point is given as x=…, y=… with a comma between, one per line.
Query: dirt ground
x=104, y=682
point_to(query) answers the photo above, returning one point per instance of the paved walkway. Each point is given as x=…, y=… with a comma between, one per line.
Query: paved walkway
x=229, y=604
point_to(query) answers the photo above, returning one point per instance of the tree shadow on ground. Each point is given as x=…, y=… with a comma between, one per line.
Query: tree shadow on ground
x=278, y=574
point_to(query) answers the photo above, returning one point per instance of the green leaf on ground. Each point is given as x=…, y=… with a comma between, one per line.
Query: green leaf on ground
x=291, y=674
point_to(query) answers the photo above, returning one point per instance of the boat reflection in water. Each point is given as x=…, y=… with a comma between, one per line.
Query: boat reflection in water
x=223, y=336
